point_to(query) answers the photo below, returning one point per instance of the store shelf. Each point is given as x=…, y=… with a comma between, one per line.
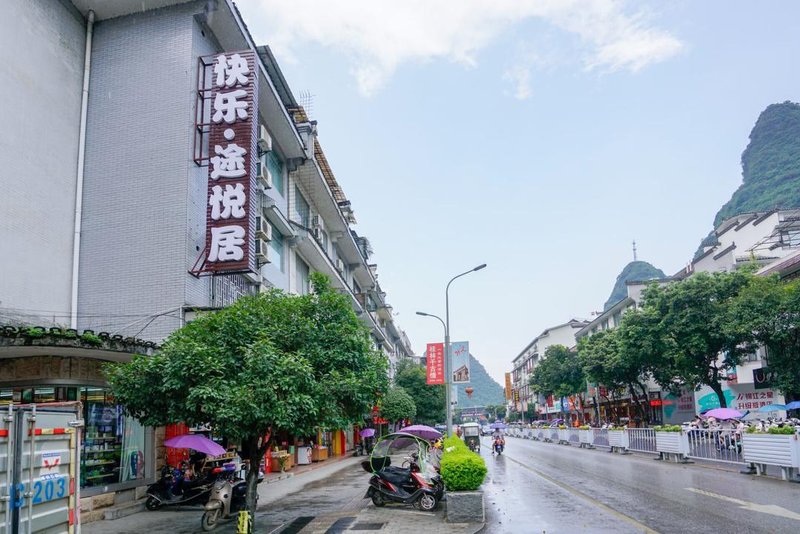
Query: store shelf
x=101, y=476
x=107, y=450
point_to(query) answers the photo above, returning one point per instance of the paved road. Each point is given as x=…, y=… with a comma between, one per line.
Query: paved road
x=543, y=487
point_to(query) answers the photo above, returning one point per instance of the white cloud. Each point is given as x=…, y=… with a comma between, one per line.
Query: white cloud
x=520, y=77
x=381, y=35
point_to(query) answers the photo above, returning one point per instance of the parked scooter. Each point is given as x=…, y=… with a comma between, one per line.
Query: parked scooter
x=228, y=497
x=173, y=489
x=406, y=484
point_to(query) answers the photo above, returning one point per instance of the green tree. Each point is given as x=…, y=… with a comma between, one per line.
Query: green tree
x=430, y=400
x=767, y=312
x=683, y=331
x=272, y=362
x=559, y=374
x=497, y=412
x=397, y=405
x=612, y=358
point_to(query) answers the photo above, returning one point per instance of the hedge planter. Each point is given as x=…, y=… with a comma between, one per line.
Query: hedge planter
x=673, y=443
x=586, y=438
x=782, y=450
x=465, y=507
x=618, y=440
x=563, y=436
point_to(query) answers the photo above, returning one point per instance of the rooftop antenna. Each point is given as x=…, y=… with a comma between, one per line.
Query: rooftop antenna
x=307, y=101
x=634, y=250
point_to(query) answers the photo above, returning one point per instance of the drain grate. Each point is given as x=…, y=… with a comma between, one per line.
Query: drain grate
x=340, y=525
x=297, y=525
x=367, y=526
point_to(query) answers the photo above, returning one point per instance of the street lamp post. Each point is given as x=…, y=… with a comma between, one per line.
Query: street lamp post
x=448, y=372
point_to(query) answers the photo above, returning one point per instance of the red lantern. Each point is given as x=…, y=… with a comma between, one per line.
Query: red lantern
x=469, y=391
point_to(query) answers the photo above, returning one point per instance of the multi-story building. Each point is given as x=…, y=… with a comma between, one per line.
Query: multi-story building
x=156, y=163
x=527, y=360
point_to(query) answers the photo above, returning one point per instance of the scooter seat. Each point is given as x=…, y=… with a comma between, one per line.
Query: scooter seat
x=396, y=475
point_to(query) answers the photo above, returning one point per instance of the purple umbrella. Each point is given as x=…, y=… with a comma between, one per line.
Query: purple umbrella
x=498, y=426
x=724, y=413
x=197, y=442
x=422, y=431
x=367, y=433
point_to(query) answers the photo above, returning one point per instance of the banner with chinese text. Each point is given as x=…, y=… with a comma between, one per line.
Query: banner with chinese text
x=435, y=363
x=508, y=386
x=232, y=137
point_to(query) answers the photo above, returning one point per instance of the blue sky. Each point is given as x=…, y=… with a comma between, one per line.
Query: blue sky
x=539, y=137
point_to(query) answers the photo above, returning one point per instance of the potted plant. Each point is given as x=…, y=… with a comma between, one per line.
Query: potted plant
x=672, y=440
x=618, y=438
x=586, y=436
x=563, y=434
x=463, y=472
x=778, y=446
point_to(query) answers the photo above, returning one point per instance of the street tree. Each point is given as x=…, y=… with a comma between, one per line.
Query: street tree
x=767, y=313
x=612, y=358
x=497, y=412
x=267, y=363
x=683, y=331
x=559, y=374
x=429, y=399
x=397, y=405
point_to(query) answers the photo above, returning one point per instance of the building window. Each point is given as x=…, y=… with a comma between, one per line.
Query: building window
x=277, y=245
x=302, y=271
x=113, y=446
x=275, y=169
x=302, y=208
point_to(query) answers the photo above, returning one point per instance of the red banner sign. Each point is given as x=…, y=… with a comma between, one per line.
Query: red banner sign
x=435, y=360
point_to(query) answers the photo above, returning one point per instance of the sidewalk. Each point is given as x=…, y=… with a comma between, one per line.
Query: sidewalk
x=325, y=497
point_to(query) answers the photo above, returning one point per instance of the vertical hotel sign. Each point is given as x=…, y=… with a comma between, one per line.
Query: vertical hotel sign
x=232, y=137
x=435, y=363
x=508, y=386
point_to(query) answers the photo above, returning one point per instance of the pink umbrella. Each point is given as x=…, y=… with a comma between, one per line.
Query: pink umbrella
x=422, y=431
x=197, y=442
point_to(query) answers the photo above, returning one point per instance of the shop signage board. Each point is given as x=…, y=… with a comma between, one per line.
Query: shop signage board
x=459, y=360
x=232, y=149
x=435, y=363
x=508, y=386
x=742, y=397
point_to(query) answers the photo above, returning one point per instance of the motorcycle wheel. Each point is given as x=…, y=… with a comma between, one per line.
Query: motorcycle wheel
x=209, y=520
x=377, y=499
x=427, y=502
x=152, y=503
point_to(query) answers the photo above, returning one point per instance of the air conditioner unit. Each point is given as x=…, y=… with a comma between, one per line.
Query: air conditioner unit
x=316, y=221
x=264, y=139
x=262, y=251
x=262, y=174
x=339, y=265
x=318, y=235
x=263, y=228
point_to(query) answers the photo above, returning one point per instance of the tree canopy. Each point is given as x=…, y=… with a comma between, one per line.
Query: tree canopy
x=271, y=362
x=397, y=405
x=559, y=374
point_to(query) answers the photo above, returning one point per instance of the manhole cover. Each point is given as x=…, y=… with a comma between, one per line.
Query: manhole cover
x=367, y=526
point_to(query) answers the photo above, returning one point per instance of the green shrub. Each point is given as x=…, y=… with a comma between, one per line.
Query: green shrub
x=782, y=430
x=584, y=427
x=455, y=444
x=91, y=339
x=35, y=332
x=668, y=428
x=462, y=470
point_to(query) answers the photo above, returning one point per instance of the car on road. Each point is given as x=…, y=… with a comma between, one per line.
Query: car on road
x=485, y=430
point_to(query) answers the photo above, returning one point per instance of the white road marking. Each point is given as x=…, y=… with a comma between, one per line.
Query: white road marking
x=772, y=509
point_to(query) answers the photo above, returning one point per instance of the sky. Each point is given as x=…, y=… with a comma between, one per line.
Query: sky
x=538, y=137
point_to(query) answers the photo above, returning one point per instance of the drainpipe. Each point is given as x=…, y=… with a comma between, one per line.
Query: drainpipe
x=76, y=240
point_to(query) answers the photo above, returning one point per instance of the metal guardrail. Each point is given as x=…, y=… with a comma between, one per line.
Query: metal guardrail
x=719, y=445
x=642, y=440
x=600, y=437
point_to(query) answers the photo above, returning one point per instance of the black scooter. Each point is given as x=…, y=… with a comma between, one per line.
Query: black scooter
x=172, y=489
x=404, y=485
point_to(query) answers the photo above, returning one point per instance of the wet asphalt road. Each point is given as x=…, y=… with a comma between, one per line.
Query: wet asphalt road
x=544, y=487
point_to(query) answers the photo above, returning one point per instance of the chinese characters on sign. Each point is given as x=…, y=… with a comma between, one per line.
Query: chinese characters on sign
x=231, y=169
x=508, y=386
x=435, y=363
